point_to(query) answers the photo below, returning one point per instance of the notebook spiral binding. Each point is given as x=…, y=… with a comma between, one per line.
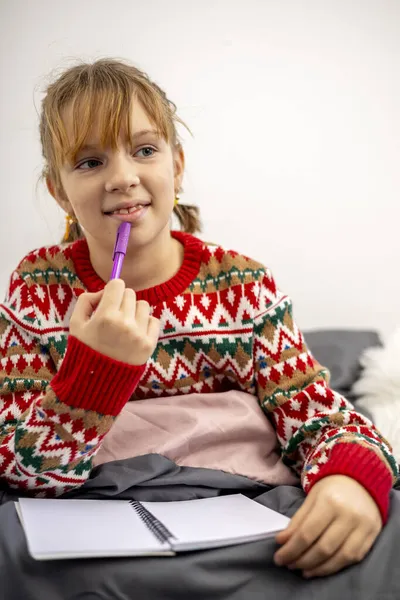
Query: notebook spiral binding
x=152, y=523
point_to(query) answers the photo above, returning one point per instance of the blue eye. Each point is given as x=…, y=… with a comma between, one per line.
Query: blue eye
x=147, y=152
x=91, y=163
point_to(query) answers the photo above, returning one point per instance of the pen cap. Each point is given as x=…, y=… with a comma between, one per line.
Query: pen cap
x=121, y=242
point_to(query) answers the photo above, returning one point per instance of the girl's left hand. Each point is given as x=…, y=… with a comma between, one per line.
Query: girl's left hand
x=336, y=526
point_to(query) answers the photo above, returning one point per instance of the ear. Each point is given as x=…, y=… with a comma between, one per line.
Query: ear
x=179, y=166
x=59, y=195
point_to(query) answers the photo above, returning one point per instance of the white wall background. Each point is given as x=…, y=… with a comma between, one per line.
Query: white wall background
x=294, y=105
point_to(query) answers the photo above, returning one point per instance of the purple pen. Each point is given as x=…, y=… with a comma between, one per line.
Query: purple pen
x=121, y=244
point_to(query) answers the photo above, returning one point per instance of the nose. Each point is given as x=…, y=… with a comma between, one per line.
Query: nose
x=121, y=174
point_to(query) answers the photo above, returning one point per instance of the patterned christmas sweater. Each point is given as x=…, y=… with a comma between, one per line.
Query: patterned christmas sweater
x=224, y=325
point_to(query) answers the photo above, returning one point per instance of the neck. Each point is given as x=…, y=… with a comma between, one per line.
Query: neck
x=145, y=266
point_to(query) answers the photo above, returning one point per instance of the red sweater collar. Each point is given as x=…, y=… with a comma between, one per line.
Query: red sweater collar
x=169, y=289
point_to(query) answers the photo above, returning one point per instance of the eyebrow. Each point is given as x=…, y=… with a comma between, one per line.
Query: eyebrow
x=137, y=135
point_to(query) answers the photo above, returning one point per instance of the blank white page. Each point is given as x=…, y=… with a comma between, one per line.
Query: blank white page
x=84, y=529
x=219, y=521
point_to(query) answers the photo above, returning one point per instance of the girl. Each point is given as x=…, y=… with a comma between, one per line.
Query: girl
x=185, y=317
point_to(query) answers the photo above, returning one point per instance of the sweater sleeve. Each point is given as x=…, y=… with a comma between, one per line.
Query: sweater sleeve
x=319, y=431
x=53, y=417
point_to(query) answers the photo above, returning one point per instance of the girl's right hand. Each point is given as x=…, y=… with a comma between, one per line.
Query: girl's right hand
x=115, y=324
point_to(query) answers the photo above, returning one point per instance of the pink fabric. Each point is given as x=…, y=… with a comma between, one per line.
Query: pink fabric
x=226, y=431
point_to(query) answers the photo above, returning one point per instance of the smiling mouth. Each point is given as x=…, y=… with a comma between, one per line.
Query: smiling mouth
x=127, y=211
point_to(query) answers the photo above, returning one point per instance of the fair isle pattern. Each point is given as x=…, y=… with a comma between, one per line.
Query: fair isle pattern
x=231, y=328
x=40, y=435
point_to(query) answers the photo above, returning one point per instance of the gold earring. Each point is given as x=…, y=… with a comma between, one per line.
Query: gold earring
x=69, y=220
x=177, y=198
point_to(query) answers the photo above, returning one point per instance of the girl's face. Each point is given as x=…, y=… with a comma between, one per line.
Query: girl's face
x=141, y=176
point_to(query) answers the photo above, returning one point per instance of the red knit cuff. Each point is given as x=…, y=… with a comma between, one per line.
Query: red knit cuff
x=363, y=465
x=90, y=380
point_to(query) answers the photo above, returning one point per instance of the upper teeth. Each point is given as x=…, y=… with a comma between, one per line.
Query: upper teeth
x=126, y=211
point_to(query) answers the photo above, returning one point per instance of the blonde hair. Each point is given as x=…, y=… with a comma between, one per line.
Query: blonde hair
x=103, y=90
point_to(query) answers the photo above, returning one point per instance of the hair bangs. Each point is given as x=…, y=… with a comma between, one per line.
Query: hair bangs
x=108, y=113
x=103, y=112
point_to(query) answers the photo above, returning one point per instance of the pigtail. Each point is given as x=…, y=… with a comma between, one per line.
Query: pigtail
x=188, y=216
x=73, y=230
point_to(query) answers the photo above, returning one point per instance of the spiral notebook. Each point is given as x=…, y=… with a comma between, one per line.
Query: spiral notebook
x=61, y=529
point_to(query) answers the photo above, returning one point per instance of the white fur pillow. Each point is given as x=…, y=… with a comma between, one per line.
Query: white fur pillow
x=379, y=389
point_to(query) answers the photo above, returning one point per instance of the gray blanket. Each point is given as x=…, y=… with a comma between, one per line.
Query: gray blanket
x=244, y=572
